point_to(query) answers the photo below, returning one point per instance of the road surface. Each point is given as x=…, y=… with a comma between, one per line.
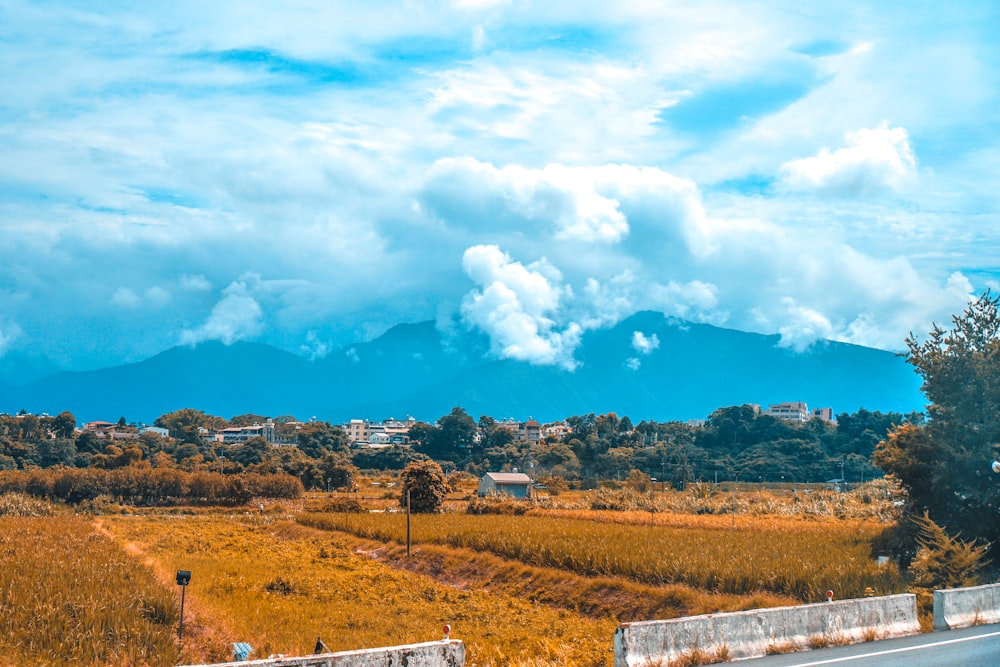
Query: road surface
x=970, y=647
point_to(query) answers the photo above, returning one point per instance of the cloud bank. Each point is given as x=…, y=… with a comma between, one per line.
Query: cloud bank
x=532, y=172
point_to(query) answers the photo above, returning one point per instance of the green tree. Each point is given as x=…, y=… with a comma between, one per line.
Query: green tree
x=945, y=465
x=337, y=471
x=183, y=424
x=254, y=450
x=451, y=439
x=247, y=420
x=318, y=438
x=426, y=484
x=493, y=435
x=64, y=424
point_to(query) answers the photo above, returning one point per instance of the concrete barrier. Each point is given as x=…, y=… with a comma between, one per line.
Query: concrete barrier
x=961, y=607
x=754, y=633
x=446, y=653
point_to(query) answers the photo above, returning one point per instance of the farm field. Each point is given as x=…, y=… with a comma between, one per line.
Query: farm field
x=279, y=586
x=764, y=555
x=546, y=587
x=71, y=596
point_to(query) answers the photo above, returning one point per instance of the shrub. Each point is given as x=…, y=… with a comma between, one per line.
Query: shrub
x=497, y=504
x=944, y=561
x=344, y=506
x=20, y=504
x=426, y=484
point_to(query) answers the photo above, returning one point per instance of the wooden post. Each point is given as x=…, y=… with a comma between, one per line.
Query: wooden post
x=408, y=523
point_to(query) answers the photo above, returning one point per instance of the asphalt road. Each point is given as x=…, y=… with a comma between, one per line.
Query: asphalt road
x=970, y=647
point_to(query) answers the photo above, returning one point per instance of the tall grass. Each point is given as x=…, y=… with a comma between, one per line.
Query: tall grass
x=785, y=557
x=71, y=597
x=279, y=586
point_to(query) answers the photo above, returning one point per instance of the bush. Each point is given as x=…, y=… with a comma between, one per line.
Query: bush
x=426, y=484
x=497, y=504
x=944, y=561
x=20, y=504
x=344, y=506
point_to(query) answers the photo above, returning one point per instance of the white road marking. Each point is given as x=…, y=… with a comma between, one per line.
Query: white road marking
x=898, y=650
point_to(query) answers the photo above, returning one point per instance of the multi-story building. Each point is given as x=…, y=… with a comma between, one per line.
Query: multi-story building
x=798, y=411
x=363, y=433
x=238, y=434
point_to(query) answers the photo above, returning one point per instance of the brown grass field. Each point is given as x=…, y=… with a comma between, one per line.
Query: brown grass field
x=544, y=588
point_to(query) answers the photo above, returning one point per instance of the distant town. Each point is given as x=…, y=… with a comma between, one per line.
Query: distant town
x=362, y=433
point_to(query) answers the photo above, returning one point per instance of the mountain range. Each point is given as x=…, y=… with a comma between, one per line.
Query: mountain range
x=672, y=370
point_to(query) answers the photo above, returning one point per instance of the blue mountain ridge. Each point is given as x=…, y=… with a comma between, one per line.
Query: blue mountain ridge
x=413, y=369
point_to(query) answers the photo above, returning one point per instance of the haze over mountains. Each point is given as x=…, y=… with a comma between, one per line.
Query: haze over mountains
x=647, y=367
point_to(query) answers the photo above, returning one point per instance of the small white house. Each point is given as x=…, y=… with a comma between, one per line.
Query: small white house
x=513, y=484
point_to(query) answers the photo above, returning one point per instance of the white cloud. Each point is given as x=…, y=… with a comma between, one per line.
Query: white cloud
x=695, y=300
x=644, y=344
x=633, y=364
x=314, y=348
x=237, y=316
x=195, y=283
x=876, y=160
x=513, y=306
x=579, y=205
x=803, y=326
x=125, y=297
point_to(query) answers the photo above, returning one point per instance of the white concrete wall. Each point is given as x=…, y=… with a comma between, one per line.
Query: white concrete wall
x=962, y=607
x=446, y=653
x=748, y=634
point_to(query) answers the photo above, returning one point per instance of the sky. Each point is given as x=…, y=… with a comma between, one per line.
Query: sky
x=308, y=174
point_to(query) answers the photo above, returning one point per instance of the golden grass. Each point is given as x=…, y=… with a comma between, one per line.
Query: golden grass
x=71, y=597
x=596, y=597
x=782, y=556
x=278, y=587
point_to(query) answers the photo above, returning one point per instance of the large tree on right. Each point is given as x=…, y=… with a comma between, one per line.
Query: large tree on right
x=946, y=465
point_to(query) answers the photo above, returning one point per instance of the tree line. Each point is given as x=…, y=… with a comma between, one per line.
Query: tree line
x=735, y=442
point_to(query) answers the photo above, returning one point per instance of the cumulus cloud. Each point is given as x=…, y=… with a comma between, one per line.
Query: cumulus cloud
x=514, y=305
x=314, y=348
x=237, y=316
x=633, y=364
x=803, y=326
x=875, y=160
x=561, y=200
x=644, y=344
x=599, y=205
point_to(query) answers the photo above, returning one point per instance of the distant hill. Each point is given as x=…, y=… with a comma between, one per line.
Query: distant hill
x=19, y=368
x=413, y=370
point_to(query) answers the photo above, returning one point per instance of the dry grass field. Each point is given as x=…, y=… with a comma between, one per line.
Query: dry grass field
x=70, y=596
x=545, y=587
x=279, y=586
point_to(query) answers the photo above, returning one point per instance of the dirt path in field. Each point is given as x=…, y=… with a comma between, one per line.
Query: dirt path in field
x=596, y=597
x=203, y=633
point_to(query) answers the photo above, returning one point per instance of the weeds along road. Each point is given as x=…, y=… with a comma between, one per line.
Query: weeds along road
x=970, y=647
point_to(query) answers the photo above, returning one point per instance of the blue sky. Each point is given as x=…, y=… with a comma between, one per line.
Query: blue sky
x=307, y=174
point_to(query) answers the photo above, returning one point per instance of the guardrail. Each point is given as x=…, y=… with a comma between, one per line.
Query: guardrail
x=961, y=607
x=445, y=653
x=754, y=633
